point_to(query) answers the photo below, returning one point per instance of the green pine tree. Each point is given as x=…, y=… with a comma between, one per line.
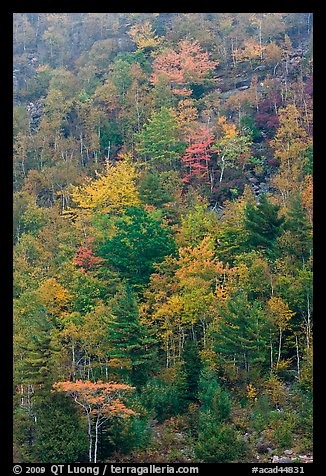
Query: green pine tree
x=159, y=141
x=263, y=224
x=191, y=369
x=298, y=231
x=59, y=436
x=130, y=339
x=243, y=334
x=141, y=241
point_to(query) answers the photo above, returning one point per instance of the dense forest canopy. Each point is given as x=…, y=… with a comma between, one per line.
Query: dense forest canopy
x=162, y=237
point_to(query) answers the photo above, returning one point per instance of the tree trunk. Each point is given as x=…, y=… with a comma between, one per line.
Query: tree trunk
x=270, y=333
x=279, y=349
x=81, y=147
x=90, y=437
x=96, y=439
x=232, y=53
x=298, y=356
x=137, y=111
x=223, y=167
x=22, y=394
x=204, y=332
x=308, y=322
x=106, y=368
x=260, y=41
x=73, y=362
x=211, y=178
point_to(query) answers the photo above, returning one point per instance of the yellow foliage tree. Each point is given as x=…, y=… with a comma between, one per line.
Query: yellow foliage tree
x=280, y=315
x=275, y=388
x=307, y=196
x=112, y=192
x=291, y=139
x=187, y=114
x=143, y=36
x=251, y=393
x=251, y=50
x=290, y=144
x=54, y=297
x=184, y=297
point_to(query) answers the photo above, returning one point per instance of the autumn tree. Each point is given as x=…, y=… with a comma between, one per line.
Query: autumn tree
x=291, y=146
x=250, y=51
x=273, y=55
x=280, y=315
x=143, y=36
x=112, y=191
x=197, y=223
x=100, y=401
x=290, y=142
x=198, y=155
x=232, y=147
x=190, y=64
x=85, y=258
x=200, y=277
x=187, y=114
x=182, y=298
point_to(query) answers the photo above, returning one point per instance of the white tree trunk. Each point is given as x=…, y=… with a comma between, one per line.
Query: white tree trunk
x=223, y=167
x=279, y=349
x=298, y=356
x=96, y=438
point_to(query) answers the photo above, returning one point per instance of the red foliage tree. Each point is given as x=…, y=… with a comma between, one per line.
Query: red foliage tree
x=85, y=257
x=198, y=153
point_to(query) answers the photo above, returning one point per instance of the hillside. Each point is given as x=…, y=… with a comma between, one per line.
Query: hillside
x=163, y=220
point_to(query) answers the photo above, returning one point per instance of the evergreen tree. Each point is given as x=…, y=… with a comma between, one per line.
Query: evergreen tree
x=132, y=344
x=59, y=433
x=263, y=224
x=160, y=142
x=152, y=190
x=242, y=337
x=191, y=369
x=297, y=237
x=141, y=241
x=212, y=396
x=34, y=371
x=217, y=440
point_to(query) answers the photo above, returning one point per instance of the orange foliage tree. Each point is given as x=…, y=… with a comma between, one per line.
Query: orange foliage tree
x=188, y=65
x=100, y=401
